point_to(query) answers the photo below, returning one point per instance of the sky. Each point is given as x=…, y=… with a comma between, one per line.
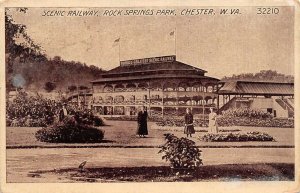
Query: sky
x=220, y=44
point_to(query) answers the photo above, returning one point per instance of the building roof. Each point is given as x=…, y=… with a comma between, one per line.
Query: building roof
x=165, y=63
x=257, y=88
x=153, y=67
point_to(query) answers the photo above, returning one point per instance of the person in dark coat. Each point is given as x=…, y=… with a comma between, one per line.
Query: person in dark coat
x=188, y=123
x=142, y=128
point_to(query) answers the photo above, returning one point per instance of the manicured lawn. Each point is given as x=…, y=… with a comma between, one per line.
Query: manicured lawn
x=122, y=133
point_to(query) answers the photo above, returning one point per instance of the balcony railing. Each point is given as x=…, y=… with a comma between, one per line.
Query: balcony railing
x=154, y=103
x=120, y=90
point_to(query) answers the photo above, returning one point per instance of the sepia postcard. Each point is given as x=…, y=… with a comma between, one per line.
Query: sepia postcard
x=160, y=96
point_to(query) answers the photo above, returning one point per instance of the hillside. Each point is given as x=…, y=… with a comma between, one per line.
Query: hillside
x=34, y=75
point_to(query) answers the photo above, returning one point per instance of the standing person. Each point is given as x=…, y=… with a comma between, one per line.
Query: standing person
x=142, y=129
x=213, y=125
x=188, y=123
x=63, y=112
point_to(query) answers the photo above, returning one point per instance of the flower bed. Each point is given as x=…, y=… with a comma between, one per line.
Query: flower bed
x=251, y=117
x=176, y=129
x=234, y=137
x=177, y=122
x=246, y=112
x=197, y=129
x=122, y=118
x=245, y=121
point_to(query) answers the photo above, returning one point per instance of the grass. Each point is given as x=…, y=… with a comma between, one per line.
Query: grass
x=123, y=133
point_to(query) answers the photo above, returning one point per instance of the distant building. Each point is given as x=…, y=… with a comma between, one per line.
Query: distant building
x=162, y=84
x=273, y=97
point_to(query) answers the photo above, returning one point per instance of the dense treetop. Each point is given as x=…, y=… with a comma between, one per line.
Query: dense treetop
x=263, y=75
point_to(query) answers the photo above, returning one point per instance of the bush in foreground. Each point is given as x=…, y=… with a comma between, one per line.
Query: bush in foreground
x=182, y=153
x=232, y=137
x=70, y=132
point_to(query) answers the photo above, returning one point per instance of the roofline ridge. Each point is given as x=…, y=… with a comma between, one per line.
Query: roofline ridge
x=253, y=81
x=176, y=61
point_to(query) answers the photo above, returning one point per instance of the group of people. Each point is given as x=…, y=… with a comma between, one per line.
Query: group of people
x=189, y=122
x=142, y=129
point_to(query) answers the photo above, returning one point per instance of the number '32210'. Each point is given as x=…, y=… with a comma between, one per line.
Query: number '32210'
x=267, y=10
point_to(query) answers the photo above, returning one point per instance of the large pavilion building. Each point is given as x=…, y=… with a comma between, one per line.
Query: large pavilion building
x=166, y=86
x=162, y=84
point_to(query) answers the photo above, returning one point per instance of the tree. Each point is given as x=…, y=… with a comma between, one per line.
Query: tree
x=49, y=86
x=72, y=88
x=263, y=75
x=81, y=87
x=23, y=50
x=14, y=31
x=57, y=58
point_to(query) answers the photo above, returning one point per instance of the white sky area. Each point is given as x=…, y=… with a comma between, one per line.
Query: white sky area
x=220, y=44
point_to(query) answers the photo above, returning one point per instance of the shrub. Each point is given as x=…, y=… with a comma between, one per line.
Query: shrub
x=181, y=152
x=231, y=137
x=87, y=118
x=72, y=88
x=36, y=111
x=98, y=121
x=49, y=86
x=70, y=132
x=30, y=111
